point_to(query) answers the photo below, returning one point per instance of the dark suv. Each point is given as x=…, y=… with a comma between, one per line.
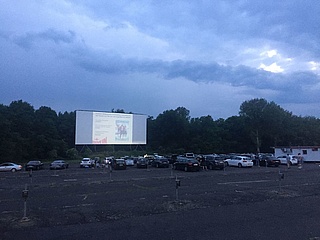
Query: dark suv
x=213, y=162
x=269, y=161
x=142, y=163
x=119, y=164
x=160, y=162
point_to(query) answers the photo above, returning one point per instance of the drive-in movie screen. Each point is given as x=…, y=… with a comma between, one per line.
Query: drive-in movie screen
x=110, y=128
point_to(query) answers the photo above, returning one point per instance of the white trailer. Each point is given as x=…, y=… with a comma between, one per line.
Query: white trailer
x=309, y=153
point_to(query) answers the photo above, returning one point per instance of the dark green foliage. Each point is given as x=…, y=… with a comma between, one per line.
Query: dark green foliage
x=26, y=133
x=170, y=130
x=266, y=123
x=260, y=126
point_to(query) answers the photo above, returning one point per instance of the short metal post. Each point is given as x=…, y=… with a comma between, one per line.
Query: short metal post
x=281, y=176
x=110, y=171
x=177, y=187
x=171, y=174
x=25, y=193
x=25, y=209
x=30, y=175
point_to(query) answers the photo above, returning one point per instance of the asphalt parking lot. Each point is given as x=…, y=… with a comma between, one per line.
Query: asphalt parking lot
x=234, y=203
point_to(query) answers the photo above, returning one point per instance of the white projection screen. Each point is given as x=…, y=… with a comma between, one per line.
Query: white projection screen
x=104, y=128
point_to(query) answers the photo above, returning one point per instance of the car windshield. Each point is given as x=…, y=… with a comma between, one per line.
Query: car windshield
x=33, y=162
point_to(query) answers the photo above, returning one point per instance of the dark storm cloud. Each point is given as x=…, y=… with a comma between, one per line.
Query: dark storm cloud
x=294, y=22
x=28, y=39
x=107, y=62
x=219, y=51
x=197, y=71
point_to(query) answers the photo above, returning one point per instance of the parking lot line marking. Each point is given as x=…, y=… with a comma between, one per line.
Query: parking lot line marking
x=79, y=205
x=4, y=212
x=85, y=205
x=257, y=181
x=70, y=180
x=69, y=206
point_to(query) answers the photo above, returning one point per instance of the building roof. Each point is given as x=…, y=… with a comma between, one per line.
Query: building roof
x=297, y=147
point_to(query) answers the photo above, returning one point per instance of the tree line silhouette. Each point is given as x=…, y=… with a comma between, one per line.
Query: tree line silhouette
x=27, y=133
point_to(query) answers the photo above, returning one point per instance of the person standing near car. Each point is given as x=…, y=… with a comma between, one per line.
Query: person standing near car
x=288, y=160
x=202, y=162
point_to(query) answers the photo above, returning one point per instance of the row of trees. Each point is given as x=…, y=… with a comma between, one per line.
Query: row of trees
x=259, y=126
x=26, y=133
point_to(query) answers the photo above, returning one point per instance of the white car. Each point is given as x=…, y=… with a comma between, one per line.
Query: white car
x=87, y=162
x=10, y=167
x=293, y=159
x=239, y=161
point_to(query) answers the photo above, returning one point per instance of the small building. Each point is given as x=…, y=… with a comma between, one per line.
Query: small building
x=309, y=153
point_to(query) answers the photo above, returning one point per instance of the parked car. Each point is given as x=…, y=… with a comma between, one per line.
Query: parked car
x=293, y=159
x=59, y=164
x=190, y=155
x=186, y=164
x=160, y=162
x=142, y=163
x=213, y=162
x=149, y=158
x=129, y=162
x=34, y=165
x=239, y=161
x=10, y=167
x=86, y=162
x=119, y=164
x=254, y=158
x=269, y=161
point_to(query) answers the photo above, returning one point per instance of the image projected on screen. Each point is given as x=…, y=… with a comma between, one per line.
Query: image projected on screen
x=122, y=130
x=110, y=128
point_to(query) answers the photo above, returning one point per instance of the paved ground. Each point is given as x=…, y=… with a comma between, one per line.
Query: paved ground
x=144, y=204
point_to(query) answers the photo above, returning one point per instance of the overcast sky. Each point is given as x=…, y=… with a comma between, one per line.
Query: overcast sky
x=147, y=56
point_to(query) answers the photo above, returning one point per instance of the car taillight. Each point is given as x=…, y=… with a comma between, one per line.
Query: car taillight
x=189, y=163
x=244, y=160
